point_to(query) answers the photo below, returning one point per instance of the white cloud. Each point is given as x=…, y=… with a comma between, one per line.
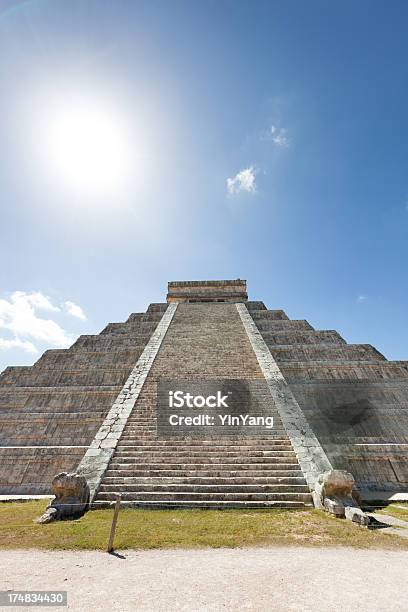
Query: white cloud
x=19, y=316
x=28, y=347
x=75, y=310
x=37, y=300
x=242, y=181
x=361, y=299
x=277, y=135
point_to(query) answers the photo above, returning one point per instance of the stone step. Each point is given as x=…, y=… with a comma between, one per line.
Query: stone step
x=268, y=325
x=359, y=353
x=208, y=487
x=198, y=480
x=143, y=316
x=261, y=315
x=215, y=505
x=111, y=341
x=193, y=496
x=181, y=472
x=196, y=467
x=152, y=440
x=207, y=447
x=203, y=460
x=133, y=327
x=129, y=438
x=157, y=307
x=180, y=453
x=168, y=451
x=55, y=358
x=255, y=306
x=296, y=337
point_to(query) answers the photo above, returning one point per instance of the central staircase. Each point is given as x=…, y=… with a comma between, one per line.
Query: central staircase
x=206, y=472
x=188, y=472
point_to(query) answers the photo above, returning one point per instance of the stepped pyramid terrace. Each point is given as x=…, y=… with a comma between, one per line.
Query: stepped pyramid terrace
x=121, y=408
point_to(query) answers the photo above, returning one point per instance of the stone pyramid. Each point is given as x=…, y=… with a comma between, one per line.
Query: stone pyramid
x=94, y=408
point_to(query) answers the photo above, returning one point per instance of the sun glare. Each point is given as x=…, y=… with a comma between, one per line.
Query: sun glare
x=88, y=148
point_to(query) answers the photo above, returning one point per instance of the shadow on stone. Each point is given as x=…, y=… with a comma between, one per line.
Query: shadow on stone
x=376, y=524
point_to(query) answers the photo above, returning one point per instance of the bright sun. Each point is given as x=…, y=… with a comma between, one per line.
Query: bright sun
x=88, y=148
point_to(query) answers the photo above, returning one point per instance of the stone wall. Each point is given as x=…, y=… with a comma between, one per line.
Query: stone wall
x=355, y=400
x=207, y=291
x=51, y=411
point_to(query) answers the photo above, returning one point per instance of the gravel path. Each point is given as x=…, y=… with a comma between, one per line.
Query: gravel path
x=259, y=579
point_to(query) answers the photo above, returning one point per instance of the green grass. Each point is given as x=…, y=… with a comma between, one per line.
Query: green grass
x=397, y=509
x=149, y=529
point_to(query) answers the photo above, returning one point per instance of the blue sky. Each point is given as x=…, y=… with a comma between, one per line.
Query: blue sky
x=260, y=140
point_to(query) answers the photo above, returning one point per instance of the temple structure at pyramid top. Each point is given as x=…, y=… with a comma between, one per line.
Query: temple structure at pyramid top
x=207, y=291
x=95, y=408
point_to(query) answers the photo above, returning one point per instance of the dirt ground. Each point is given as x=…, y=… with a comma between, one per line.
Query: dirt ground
x=293, y=579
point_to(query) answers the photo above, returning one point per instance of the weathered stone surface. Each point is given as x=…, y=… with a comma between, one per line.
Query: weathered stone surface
x=335, y=492
x=334, y=506
x=49, y=515
x=335, y=483
x=335, y=488
x=71, y=498
x=207, y=291
x=354, y=400
x=357, y=516
x=50, y=412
